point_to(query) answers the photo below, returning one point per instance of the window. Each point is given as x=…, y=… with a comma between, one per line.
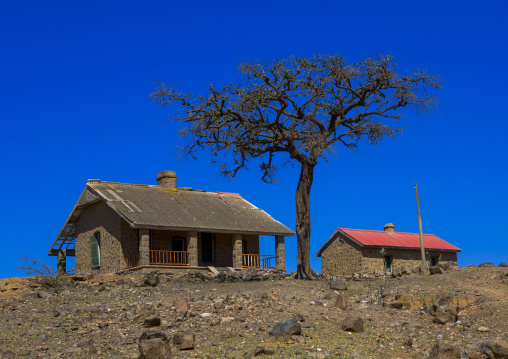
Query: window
x=433, y=261
x=177, y=244
x=388, y=263
x=207, y=247
x=244, y=247
x=95, y=250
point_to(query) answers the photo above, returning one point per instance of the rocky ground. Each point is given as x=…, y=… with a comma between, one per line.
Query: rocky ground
x=463, y=310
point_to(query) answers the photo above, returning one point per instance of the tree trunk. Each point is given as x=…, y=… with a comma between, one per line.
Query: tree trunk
x=304, y=270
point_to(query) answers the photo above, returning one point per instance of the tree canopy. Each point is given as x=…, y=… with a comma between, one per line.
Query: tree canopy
x=302, y=109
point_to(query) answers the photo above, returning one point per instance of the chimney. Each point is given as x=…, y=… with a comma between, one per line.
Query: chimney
x=389, y=227
x=167, y=180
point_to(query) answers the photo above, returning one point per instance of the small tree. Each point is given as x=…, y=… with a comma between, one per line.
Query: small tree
x=40, y=272
x=300, y=109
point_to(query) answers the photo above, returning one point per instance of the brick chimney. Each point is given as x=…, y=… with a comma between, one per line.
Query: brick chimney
x=167, y=179
x=389, y=227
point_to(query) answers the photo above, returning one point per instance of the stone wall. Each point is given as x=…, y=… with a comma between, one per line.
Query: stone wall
x=373, y=261
x=341, y=257
x=99, y=218
x=344, y=257
x=129, y=238
x=162, y=239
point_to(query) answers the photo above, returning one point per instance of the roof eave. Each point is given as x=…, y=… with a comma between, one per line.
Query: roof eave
x=212, y=230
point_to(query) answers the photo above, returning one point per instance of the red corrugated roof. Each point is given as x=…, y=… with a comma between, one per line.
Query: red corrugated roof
x=398, y=239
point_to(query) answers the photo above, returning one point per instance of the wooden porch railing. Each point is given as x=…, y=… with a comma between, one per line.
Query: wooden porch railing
x=131, y=260
x=174, y=258
x=259, y=260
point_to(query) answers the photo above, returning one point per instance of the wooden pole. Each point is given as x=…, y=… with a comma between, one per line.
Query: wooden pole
x=424, y=264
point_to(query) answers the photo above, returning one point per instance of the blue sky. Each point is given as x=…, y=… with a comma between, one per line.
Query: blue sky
x=75, y=80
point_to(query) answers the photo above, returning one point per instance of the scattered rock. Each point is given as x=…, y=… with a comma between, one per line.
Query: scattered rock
x=184, y=341
x=44, y=294
x=151, y=280
x=444, y=351
x=412, y=324
x=181, y=304
x=338, y=284
x=152, y=321
x=483, y=329
x=436, y=270
x=263, y=351
x=153, y=345
x=395, y=304
x=353, y=324
x=287, y=328
x=487, y=265
x=87, y=348
x=341, y=302
x=443, y=318
x=494, y=349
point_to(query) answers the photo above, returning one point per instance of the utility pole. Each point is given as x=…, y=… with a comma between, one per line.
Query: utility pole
x=424, y=264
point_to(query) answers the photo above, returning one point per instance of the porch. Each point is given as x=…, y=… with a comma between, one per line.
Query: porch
x=200, y=250
x=181, y=258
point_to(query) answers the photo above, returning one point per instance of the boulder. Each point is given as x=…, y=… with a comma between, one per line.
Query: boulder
x=338, y=284
x=87, y=348
x=341, y=302
x=396, y=272
x=405, y=270
x=436, y=270
x=353, y=324
x=152, y=321
x=443, y=318
x=286, y=328
x=444, y=351
x=487, y=265
x=184, y=341
x=494, y=349
x=153, y=345
x=263, y=351
x=412, y=324
x=395, y=304
x=181, y=304
x=151, y=280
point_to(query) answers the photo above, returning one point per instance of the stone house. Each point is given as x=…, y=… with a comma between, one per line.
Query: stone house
x=116, y=226
x=350, y=251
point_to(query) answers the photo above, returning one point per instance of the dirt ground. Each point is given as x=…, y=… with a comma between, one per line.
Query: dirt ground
x=103, y=316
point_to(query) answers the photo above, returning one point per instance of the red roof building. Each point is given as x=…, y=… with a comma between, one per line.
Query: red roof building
x=350, y=251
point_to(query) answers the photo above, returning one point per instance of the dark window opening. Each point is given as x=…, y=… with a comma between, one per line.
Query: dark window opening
x=244, y=247
x=206, y=247
x=177, y=244
x=433, y=261
x=388, y=263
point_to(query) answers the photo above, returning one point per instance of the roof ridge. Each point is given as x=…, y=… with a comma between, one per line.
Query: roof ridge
x=374, y=230
x=99, y=182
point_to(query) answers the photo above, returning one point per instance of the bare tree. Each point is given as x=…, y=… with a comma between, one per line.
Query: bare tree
x=299, y=108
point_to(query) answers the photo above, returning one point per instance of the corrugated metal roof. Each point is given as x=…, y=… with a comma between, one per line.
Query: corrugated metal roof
x=398, y=239
x=152, y=206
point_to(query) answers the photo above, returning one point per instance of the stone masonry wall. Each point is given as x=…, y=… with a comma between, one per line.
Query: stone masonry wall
x=341, y=257
x=162, y=239
x=100, y=218
x=344, y=257
x=373, y=261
